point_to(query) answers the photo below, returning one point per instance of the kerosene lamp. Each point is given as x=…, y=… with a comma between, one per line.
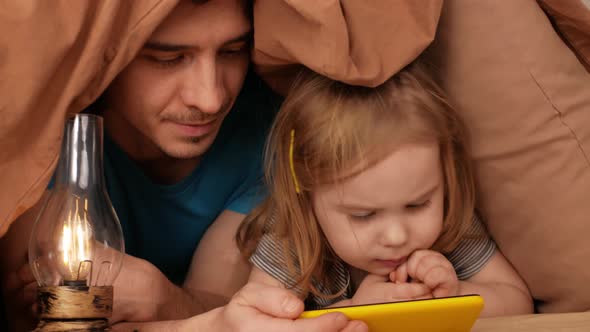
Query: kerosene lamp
x=76, y=247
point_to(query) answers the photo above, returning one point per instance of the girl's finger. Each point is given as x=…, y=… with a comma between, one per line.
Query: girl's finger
x=428, y=262
x=414, y=262
x=401, y=273
x=405, y=291
x=442, y=281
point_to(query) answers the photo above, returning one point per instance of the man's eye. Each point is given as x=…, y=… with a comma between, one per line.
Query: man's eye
x=362, y=215
x=418, y=206
x=235, y=50
x=167, y=61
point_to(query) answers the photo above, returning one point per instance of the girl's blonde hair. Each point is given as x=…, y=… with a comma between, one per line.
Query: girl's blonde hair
x=340, y=130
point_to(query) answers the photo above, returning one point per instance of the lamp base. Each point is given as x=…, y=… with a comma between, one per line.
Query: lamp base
x=74, y=308
x=98, y=325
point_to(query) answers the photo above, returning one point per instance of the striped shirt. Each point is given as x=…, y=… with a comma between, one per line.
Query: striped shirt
x=473, y=252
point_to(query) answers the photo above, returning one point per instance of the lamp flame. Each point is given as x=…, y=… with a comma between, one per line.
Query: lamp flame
x=76, y=244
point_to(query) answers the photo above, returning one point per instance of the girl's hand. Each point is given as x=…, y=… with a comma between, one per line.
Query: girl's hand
x=430, y=268
x=378, y=289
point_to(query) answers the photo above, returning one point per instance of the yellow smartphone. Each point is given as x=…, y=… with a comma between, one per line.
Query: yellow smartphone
x=445, y=314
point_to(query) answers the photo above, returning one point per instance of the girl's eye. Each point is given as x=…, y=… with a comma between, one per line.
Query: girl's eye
x=362, y=215
x=418, y=206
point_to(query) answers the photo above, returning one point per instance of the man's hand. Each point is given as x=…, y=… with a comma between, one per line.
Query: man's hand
x=136, y=291
x=430, y=268
x=255, y=308
x=142, y=293
x=21, y=287
x=378, y=289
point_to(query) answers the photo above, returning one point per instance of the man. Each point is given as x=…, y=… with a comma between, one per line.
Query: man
x=178, y=160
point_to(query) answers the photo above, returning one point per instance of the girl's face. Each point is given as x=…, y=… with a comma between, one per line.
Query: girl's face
x=376, y=219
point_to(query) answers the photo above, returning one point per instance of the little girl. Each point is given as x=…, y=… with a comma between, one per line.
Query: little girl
x=371, y=199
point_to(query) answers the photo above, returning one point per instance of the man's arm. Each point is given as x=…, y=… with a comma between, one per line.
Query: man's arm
x=143, y=293
x=217, y=272
x=141, y=290
x=256, y=307
x=217, y=266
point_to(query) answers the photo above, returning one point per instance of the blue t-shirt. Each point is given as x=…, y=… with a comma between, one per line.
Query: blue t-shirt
x=164, y=223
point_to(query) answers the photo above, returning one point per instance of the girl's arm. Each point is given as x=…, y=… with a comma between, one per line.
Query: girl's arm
x=503, y=290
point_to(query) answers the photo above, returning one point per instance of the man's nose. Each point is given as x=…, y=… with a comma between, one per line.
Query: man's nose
x=203, y=87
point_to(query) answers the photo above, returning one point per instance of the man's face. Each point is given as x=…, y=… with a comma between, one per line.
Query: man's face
x=376, y=219
x=172, y=98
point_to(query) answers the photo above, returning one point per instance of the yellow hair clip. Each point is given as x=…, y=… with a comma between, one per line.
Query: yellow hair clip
x=291, y=147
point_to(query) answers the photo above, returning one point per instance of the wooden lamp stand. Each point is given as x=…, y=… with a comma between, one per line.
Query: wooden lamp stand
x=74, y=307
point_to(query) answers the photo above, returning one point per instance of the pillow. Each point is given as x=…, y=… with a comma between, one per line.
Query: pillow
x=526, y=100
x=572, y=18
